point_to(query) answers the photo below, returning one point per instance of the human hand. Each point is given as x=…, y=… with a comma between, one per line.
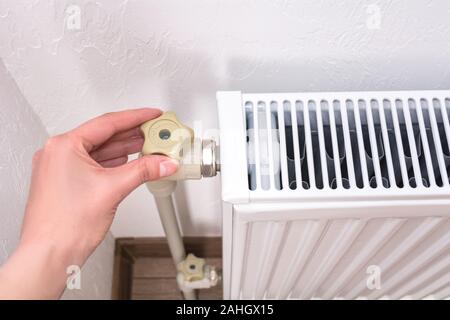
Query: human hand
x=78, y=180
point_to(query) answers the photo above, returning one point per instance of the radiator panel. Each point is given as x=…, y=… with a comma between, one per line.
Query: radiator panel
x=329, y=258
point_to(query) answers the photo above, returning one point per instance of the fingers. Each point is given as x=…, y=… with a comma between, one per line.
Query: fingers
x=97, y=131
x=116, y=149
x=147, y=168
x=131, y=133
x=112, y=163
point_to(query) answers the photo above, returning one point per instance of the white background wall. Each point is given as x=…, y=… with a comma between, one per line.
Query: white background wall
x=176, y=54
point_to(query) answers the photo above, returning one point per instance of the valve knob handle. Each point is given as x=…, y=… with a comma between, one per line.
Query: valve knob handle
x=191, y=268
x=166, y=135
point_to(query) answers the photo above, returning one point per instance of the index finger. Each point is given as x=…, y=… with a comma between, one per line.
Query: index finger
x=100, y=129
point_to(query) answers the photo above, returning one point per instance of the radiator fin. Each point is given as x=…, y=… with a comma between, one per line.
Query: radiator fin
x=310, y=143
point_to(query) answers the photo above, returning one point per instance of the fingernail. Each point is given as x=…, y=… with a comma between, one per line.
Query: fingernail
x=168, y=167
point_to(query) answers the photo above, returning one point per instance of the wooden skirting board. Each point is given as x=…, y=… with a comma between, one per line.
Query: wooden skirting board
x=143, y=268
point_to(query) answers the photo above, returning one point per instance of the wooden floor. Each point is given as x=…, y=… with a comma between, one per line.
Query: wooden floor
x=143, y=267
x=154, y=278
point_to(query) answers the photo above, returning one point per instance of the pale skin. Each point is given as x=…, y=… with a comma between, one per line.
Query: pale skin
x=79, y=178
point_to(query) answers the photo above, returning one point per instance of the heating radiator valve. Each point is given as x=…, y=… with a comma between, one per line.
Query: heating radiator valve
x=166, y=135
x=193, y=273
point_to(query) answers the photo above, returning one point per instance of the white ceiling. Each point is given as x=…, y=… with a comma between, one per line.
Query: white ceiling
x=177, y=54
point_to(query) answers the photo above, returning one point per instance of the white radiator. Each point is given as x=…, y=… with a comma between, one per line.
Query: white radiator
x=335, y=195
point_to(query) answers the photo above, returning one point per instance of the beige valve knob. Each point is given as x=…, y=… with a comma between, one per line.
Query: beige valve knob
x=167, y=136
x=192, y=268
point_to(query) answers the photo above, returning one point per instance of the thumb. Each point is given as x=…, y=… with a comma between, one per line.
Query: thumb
x=146, y=168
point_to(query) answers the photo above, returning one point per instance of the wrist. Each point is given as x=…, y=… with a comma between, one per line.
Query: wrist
x=36, y=271
x=60, y=252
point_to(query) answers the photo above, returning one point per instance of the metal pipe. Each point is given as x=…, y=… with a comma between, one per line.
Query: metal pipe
x=169, y=222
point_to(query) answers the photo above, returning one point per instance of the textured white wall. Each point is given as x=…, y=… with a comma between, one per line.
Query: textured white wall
x=21, y=134
x=176, y=54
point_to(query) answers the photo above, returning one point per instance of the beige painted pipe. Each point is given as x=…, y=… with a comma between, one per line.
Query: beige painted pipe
x=171, y=229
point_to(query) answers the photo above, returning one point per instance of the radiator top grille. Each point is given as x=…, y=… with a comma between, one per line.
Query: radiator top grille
x=347, y=141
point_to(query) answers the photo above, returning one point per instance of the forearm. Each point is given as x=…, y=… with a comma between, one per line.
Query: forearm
x=34, y=271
